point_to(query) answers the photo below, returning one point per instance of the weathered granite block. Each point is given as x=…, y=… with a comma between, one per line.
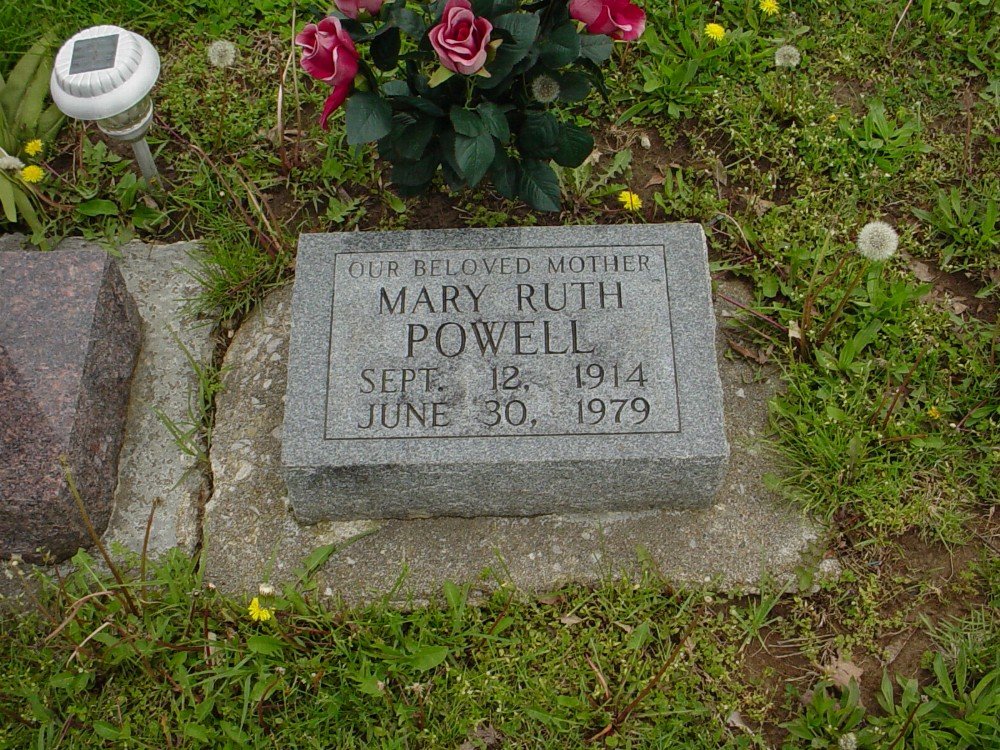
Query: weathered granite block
x=502, y=372
x=69, y=334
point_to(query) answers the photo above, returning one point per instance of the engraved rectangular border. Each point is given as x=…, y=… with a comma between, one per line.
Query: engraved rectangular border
x=329, y=356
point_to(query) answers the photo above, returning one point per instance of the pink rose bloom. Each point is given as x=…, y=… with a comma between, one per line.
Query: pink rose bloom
x=350, y=8
x=328, y=54
x=460, y=40
x=619, y=19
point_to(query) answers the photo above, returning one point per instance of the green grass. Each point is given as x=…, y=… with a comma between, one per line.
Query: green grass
x=631, y=663
x=889, y=422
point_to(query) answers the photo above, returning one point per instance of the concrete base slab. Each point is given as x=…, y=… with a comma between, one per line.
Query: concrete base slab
x=152, y=467
x=250, y=535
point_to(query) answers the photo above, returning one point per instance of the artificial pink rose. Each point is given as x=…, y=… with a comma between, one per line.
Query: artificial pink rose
x=461, y=38
x=619, y=19
x=328, y=54
x=350, y=8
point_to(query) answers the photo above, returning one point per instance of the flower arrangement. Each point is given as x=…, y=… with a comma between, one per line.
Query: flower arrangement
x=467, y=87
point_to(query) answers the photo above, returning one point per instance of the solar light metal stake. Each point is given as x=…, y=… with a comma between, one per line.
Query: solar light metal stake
x=105, y=73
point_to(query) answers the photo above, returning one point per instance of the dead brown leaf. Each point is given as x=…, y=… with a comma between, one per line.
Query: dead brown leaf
x=550, y=599
x=485, y=737
x=656, y=180
x=841, y=672
x=762, y=206
x=922, y=271
x=570, y=620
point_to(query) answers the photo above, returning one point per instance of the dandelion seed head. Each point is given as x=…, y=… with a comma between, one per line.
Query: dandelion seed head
x=848, y=741
x=265, y=589
x=787, y=56
x=544, y=89
x=10, y=162
x=222, y=54
x=877, y=241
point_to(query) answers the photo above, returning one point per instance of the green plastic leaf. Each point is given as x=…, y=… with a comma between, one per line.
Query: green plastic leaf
x=495, y=120
x=573, y=87
x=98, y=207
x=422, y=105
x=518, y=32
x=522, y=28
x=265, y=645
x=369, y=117
x=415, y=174
x=596, y=47
x=467, y=122
x=562, y=47
x=538, y=185
x=504, y=173
x=385, y=48
x=474, y=156
x=575, y=145
x=414, y=138
x=539, y=135
x=409, y=22
x=428, y=657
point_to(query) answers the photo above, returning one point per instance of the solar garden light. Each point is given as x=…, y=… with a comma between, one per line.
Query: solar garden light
x=105, y=73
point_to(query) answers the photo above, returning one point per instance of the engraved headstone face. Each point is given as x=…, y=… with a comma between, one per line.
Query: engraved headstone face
x=97, y=53
x=474, y=344
x=499, y=372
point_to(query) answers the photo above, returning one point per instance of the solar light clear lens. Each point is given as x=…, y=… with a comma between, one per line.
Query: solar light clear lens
x=130, y=124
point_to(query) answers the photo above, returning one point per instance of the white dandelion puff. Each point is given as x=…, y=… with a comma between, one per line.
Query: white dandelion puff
x=545, y=89
x=877, y=241
x=787, y=56
x=10, y=162
x=222, y=54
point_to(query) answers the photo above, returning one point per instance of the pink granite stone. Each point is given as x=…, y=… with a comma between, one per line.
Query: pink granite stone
x=69, y=337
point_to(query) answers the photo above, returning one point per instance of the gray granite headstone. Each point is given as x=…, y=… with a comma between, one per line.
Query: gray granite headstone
x=502, y=372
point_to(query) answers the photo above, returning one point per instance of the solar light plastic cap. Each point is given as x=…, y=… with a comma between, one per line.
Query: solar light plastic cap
x=105, y=73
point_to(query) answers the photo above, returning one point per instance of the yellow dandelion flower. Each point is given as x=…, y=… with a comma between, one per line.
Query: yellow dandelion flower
x=934, y=413
x=32, y=173
x=768, y=7
x=630, y=200
x=33, y=147
x=832, y=118
x=257, y=612
x=715, y=32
